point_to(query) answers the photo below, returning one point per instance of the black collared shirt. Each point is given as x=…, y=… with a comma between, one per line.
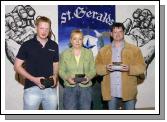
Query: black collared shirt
x=38, y=59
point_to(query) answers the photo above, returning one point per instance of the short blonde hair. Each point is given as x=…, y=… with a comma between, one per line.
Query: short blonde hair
x=42, y=19
x=47, y=20
x=77, y=31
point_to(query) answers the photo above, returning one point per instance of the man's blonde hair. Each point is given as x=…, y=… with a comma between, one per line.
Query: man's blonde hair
x=42, y=19
x=47, y=20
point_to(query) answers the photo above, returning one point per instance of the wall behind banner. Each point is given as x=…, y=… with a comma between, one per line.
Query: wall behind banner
x=127, y=14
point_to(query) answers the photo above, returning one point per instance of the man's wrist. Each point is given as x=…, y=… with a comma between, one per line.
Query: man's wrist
x=55, y=74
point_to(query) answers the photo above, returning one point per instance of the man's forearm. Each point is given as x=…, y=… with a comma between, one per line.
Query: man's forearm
x=24, y=73
x=55, y=69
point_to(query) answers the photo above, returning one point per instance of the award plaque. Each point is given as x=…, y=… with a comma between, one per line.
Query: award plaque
x=117, y=66
x=79, y=78
x=117, y=63
x=47, y=82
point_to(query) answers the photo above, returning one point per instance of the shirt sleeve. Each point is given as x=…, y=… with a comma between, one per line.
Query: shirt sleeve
x=56, y=55
x=22, y=53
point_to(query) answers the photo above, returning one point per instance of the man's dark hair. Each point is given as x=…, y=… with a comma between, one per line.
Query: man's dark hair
x=117, y=25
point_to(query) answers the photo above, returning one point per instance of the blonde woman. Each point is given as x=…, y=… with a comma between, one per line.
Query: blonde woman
x=77, y=61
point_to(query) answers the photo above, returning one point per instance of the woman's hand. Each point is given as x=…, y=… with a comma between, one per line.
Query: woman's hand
x=86, y=81
x=71, y=81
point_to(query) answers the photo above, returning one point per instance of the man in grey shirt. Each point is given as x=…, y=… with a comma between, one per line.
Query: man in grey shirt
x=120, y=64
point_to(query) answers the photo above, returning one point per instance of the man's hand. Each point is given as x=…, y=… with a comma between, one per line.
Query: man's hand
x=37, y=81
x=125, y=68
x=140, y=31
x=19, y=27
x=55, y=79
x=109, y=67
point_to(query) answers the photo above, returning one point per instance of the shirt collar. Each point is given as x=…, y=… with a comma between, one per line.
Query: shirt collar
x=122, y=44
x=35, y=39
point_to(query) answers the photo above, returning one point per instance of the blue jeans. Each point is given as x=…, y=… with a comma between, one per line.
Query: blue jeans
x=34, y=96
x=113, y=104
x=77, y=98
